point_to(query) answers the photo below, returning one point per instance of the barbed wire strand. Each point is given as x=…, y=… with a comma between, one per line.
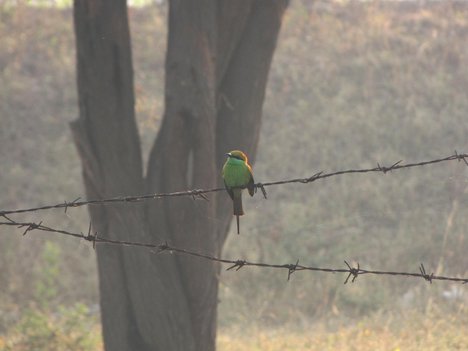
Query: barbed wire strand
x=353, y=272
x=200, y=193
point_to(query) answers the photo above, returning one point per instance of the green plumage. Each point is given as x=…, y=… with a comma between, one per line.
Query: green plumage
x=237, y=174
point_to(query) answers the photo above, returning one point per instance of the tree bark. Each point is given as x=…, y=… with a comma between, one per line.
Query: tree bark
x=217, y=63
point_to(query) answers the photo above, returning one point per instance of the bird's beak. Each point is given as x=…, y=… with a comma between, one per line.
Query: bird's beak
x=228, y=154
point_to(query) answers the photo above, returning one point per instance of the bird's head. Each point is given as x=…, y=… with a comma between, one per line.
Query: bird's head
x=238, y=155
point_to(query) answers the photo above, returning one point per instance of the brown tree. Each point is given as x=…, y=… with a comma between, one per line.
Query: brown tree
x=218, y=57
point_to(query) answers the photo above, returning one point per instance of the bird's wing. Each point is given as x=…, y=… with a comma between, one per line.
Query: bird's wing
x=229, y=191
x=251, y=185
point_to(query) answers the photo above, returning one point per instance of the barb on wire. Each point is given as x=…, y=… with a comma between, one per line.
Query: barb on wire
x=460, y=157
x=30, y=227
x=427, y=277
x=237, y=265
x=353, y=272
x=387, y=169
x=201, y=193
x=70, y=204
x=292, y=268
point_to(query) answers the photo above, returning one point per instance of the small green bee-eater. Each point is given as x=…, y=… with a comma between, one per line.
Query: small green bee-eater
x=237, y=174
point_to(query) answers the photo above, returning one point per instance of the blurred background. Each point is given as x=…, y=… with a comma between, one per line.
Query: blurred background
x=352, y=84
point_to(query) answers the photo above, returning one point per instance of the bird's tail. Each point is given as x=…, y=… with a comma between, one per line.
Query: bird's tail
x=238, y=210
x=237, y=201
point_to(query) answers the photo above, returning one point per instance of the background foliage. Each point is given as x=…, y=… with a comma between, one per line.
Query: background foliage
x=352, y=84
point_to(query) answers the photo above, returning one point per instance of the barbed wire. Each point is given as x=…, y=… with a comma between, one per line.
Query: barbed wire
x=352, y=272
x=200, y=193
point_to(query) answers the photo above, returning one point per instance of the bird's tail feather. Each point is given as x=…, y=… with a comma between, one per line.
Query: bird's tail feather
x=238, y=211
x=237, y=201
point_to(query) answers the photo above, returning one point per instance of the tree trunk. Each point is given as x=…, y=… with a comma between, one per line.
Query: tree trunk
x=217, y=63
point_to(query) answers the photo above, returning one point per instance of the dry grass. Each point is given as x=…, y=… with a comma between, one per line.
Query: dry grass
x=395, y=331
x=413, y=331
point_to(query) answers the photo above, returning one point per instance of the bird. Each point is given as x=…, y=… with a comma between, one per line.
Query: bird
x=237, y=175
